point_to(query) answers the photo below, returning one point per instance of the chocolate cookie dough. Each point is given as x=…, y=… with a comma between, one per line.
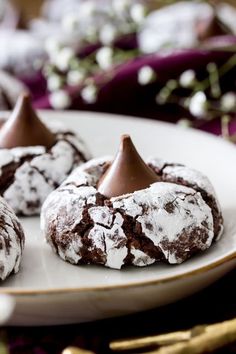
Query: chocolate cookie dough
x=35, y=158
x=112, y=214
x=12, y=241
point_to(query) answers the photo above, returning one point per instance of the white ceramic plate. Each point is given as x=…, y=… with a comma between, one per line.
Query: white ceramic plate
x=49, y=291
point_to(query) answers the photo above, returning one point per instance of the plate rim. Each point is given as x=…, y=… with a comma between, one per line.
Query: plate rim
x=60, y=291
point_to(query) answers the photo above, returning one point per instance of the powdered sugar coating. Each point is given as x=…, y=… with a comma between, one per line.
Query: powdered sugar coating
x=166, y=221
x=171, y=171
x=170, y=209
x=107, y=236
x=88, y=173
x=141, y=259
x=24, y=194
x=180, y=174
x=5, y=158
x=11, y=241
x=37, y=171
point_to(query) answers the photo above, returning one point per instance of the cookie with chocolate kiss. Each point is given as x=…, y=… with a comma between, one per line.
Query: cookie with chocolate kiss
x=24, y=128
x=35, y=157
x=12, y=240
x=125, y=211
x=127, y=173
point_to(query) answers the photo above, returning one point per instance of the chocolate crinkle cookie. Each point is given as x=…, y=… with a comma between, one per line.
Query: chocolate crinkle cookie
x=35, y=158
x=22, y=52
x=12, y=241
x=92, y=218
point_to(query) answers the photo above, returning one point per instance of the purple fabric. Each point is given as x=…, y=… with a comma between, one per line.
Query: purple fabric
x=122, y=94
x=37, y=86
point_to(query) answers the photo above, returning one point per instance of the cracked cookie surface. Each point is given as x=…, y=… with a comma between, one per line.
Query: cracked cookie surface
x=11, y=241
x=170, y=221
x=29, y=174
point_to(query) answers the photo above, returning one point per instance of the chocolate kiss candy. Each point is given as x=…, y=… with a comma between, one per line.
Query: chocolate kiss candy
x=127, y=173
x=210, y=28
x=24, y=128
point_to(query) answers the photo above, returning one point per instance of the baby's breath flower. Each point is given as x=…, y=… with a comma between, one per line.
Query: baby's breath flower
x=104, y=57
x=171, y=84
x=89, y=93
x=162, y=96
x=198, y=104
x=146, y=75
x=38, y=64
x=70, y=22
x=228, y=101
x=225, y=120
x=107, y=34
x=75, y=64
x=52, y=46
x=137, y=13
x=54, y=82
x=87, y=8
x=63, y=58
x=91, y=33
x=120, y=6
x=214, y=80
x=187, y=78
x=75, y=77
x=59, y=99
x=184, y=122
